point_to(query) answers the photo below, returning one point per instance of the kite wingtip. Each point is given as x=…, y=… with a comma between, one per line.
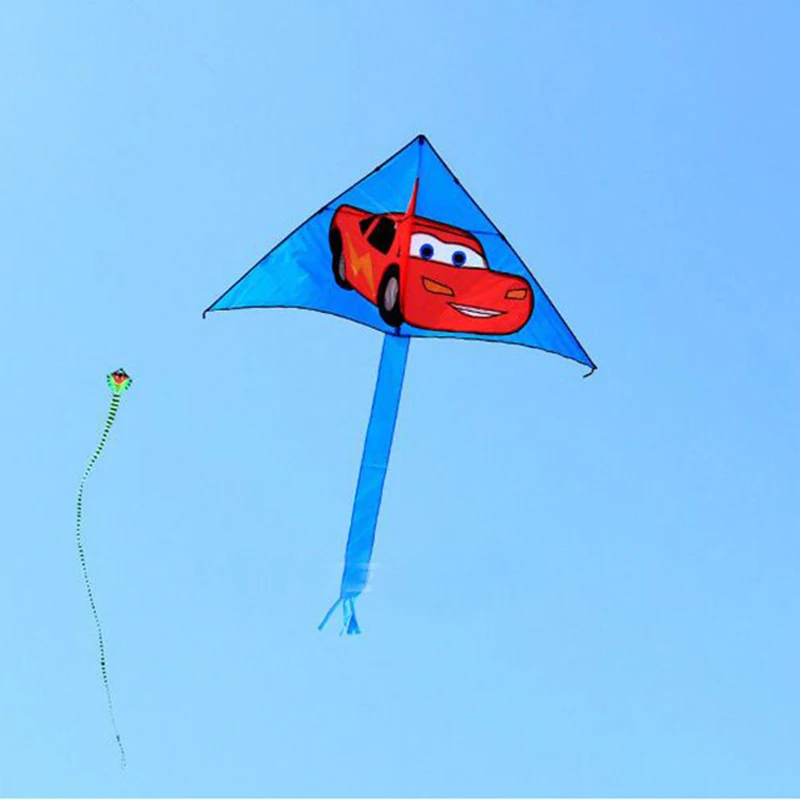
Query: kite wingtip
x=591, y=372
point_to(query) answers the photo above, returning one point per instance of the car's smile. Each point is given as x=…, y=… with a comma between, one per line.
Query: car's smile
x=474, y=311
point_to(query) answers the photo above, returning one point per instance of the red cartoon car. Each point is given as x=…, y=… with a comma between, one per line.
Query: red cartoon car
x=425, y=273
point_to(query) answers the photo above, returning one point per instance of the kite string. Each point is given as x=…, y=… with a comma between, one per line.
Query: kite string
x=112, y=413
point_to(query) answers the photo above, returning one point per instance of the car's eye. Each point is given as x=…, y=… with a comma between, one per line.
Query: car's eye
x=467, y=257
x=426, y=247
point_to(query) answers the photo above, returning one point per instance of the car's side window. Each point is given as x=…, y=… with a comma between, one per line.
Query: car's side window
x=382, y=236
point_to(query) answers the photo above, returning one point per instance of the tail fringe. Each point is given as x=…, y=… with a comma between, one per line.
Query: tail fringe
x=350, y=622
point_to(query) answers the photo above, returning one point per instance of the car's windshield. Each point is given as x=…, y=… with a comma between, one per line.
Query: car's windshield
x=430, y=248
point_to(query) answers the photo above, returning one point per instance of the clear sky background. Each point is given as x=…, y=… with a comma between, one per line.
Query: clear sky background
x=582, y=586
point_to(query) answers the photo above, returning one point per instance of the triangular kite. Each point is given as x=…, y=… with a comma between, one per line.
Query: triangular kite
x=406, y=251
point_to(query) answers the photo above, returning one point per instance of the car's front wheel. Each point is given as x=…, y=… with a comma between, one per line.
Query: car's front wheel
x=338, y=262
x=389, y=297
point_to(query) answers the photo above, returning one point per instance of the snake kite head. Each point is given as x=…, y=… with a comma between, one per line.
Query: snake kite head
x=119, y=381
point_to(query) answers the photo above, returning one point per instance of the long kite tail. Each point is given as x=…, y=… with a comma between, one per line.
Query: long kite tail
x=117, y=388
x=371, y=477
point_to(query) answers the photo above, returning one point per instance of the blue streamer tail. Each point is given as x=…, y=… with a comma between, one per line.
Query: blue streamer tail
x=371, y=477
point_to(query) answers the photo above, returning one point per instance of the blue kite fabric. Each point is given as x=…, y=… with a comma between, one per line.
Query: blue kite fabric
x=406, y=251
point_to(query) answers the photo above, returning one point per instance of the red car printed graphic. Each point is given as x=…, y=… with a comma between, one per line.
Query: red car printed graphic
x=426, y=273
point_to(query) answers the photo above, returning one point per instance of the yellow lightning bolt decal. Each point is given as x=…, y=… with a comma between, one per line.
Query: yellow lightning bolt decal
x=360, y=263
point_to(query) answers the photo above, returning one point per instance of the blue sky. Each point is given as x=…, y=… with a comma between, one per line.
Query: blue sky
x=582, y=587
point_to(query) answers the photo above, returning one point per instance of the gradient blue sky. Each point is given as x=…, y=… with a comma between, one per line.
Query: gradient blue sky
x=583, y=587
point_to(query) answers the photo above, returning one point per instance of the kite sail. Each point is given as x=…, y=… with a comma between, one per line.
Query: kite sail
x=406, y=251
x=119, y=382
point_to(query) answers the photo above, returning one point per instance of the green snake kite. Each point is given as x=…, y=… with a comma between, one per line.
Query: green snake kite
x=118, y=382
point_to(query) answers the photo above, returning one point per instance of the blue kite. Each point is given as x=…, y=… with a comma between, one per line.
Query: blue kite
x=406, y=251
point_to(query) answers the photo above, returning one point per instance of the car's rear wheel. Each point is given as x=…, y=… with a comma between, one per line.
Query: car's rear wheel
x=338, y=262
x=389, y=297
